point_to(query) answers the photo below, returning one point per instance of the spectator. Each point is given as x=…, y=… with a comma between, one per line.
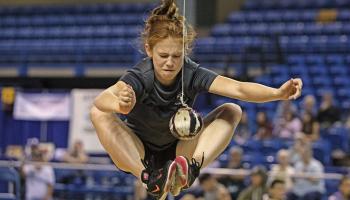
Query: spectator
x=309, y=105
x=212, y=189
x=311, y=127
x=258, y=185
x=328, y=113
x=296, y=150
x=288, y=125
x=277, y=191
x=31, y=146
x=282, y=171
x=284, y=106
x=264, y=129
x=234, y=183
x=243, y=131
x=343, y=192
x=39, y=177
x=309, y=188
x=77, y=154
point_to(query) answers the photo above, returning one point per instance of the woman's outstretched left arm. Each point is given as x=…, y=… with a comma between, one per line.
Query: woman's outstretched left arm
x=255, y=92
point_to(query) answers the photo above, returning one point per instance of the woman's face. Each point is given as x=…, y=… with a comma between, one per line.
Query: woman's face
x=167, y=59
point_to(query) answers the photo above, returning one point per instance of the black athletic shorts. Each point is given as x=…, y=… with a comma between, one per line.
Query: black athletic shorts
x=157, y=159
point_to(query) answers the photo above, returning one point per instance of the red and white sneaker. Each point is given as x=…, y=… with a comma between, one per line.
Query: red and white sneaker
x=186, y=174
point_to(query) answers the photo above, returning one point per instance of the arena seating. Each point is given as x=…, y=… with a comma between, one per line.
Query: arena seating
x=313, y=48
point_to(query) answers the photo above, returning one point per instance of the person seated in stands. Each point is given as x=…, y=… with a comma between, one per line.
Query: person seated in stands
x=309, y=186
x=283, y=170
x=39, y=177
x=328, y=113
x=296, y=150
x=76, y=154
x=311, y=127
x=257, y=188
x=284, y=106
x=264, y=127
x=288, y=125
x=277, y=190
x=212, y=189
x=243, y=130
x=309, y=105
x=343, y=192
x=234, y=183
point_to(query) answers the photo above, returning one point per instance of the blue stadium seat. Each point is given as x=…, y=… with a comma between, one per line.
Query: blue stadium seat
x=250, y=160
x=321, y=81
x=319, y=43
x=332, y=28
x=290, y=16
x=259, y=29
x=10, y=175
x=254, y=16
x=314, y=59
x=279, y=80
x=271, y=147
x=241, y=29
x=204, y=45
x=338, y=70
x=343, y=93
x=338, y=138
x=286, y=4
x=251, y=146
x=313, y=28
x=278, y=70
x=331, y=186
x=341, y=79
x=273, y=16
x=334, y=59
x=221, y=30
x=322, y=151
x=343, y=15
x=277, y=28
x=251, y=5
x=296, y=60
x=263, y=80
x=308, y=15
x=318, y=70
x=236, y=17
x=296, y=28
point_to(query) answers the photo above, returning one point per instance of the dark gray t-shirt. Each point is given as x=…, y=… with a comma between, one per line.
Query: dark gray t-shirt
x=156, y=104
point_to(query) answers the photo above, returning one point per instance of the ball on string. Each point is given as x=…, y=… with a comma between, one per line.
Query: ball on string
x=185, y=124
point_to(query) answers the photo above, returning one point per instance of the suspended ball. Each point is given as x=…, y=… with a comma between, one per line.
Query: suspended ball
x=185, y=124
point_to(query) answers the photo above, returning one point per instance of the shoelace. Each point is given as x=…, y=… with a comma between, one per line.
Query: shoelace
x=196, y=165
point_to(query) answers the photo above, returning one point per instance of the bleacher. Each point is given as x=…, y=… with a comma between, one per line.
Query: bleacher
x=70, y=36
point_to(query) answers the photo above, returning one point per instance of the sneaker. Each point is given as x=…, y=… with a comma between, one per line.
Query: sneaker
x=186, y=173
x=159, y=181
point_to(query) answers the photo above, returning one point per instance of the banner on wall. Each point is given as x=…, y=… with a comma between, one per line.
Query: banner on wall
x=80, y=124
x=42, y=106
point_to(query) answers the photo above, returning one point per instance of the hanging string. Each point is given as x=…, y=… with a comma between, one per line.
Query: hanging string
x=184, y=34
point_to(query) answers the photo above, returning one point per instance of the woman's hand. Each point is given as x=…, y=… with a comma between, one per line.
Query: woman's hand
x=291, y=89
x=127, y=99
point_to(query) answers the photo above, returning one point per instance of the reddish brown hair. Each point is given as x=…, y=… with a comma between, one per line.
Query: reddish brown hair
x=165, y=21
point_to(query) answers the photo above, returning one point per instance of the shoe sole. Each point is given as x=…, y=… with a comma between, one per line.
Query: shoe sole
x=182, y=169
x=170, y=180
x=176, y=186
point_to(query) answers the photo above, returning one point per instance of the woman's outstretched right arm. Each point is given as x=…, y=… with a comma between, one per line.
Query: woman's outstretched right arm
x=119, y=98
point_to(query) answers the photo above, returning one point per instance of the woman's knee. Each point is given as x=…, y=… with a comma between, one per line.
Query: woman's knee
x=95, y=113
x=231, y=112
